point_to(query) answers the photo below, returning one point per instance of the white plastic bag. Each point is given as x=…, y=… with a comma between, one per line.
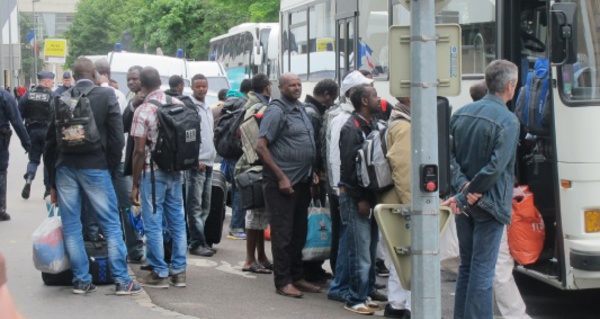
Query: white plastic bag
x=49, y=253
x=449, y=253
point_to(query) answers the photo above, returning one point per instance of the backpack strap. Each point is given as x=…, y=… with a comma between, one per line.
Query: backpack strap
x=81, y=94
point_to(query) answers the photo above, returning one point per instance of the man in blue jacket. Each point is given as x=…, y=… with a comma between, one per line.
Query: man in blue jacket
x=482, y=162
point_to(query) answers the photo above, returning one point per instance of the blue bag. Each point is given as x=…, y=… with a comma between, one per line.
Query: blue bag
x=318, y=238
x=533, y=107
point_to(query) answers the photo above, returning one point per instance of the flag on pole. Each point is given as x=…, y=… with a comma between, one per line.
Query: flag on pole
x=30, y=36
x=365, y=55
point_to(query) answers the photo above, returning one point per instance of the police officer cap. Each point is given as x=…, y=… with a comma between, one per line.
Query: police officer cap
x=45, y=75
x=66, y=75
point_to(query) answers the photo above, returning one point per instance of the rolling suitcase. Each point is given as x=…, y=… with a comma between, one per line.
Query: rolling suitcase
x=213, y=227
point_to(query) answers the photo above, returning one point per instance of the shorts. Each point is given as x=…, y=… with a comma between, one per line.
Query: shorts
x=257, y=219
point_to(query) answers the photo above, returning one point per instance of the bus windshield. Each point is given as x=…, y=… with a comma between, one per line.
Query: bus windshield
x=580, y=82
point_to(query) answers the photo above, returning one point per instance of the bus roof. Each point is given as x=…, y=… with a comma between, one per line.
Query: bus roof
x=290, y=4
x=246, y=27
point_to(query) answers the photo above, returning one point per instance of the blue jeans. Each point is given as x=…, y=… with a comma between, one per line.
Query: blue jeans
x=341, y=281
x=169, y=206
x=238, y=215
x=479, y=238
x=362, y=237
x=71, y=183
x=133, y=239
x=198, y=190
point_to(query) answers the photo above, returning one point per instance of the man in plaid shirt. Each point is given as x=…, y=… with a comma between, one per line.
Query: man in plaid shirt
x=168, y=188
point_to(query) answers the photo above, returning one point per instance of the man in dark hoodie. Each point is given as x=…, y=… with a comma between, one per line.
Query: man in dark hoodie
x=357, y=203
x=176, y=85
x=324, y=95
x=286, y=148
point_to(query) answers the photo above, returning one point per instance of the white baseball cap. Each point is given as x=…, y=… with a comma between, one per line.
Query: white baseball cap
x=354, y=78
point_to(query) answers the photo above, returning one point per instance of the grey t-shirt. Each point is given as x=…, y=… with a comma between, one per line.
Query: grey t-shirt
x=291, y=143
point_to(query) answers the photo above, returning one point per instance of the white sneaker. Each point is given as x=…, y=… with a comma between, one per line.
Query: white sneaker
x=371, y=304
x=360, y=308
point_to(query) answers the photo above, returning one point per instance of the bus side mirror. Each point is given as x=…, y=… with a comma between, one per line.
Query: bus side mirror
x=443, y=113
x=564, y=33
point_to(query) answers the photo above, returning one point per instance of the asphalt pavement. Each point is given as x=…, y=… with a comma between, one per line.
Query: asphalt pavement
x=216, y=286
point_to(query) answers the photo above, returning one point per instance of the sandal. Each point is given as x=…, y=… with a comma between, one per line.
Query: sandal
x=258, y=269
x=268, y=265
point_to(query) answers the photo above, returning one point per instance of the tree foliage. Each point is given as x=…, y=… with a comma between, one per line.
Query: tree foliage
x=165, y=24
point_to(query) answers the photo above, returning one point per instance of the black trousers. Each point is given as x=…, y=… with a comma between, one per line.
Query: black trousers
x=289, y=225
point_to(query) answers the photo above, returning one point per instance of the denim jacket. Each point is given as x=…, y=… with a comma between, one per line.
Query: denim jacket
x=483, y=153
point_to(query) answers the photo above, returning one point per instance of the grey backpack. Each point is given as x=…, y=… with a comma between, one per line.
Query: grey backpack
x=373, y=169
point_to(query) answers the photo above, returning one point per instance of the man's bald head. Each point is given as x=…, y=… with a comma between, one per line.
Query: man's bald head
x=103, y=67
x=84, y=68
x=290, y=87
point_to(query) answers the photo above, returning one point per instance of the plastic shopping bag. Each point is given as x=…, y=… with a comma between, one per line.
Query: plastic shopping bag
x=135, y=218
x=318, y=238
x=449, y=252
x=526, y=232
x=49, y=253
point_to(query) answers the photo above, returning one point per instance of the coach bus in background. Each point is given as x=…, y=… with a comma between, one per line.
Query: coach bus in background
x=561, y=169
x=245, y=50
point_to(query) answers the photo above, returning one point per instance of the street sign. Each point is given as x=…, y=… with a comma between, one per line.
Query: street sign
x=55, y=50
x=439, y=4
x=448, y=55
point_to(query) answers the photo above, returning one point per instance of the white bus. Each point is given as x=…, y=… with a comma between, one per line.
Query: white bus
x=245, y=50
x=332, y=37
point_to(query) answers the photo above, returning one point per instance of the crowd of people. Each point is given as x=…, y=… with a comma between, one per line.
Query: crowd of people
x=306, y=151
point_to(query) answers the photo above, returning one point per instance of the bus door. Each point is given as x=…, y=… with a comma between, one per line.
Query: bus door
x=524, y=39
x=346, y=31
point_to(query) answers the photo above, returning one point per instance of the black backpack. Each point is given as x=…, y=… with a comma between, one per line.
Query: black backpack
x=228, y=140
x=76, y=130
x=178, y=142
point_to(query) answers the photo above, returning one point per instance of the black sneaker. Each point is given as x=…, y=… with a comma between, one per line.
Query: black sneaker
x=177, y=280
x=379, y=286
x=26, y=190
x=81, y=288
x=153, y=280
x=4, y=216
x=132, y=288
x=202, y=251
x=381, y=269
x=395, y=313
x=377, y=296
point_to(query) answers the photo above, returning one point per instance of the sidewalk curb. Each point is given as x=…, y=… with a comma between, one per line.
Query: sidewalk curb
x=144, y=300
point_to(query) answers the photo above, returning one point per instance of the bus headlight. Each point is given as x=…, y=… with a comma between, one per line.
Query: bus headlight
x=592, y=221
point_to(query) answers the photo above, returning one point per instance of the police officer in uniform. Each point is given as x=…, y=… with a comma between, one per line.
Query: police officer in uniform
x=8, y=114
x=35, y=110
x=66, y=84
